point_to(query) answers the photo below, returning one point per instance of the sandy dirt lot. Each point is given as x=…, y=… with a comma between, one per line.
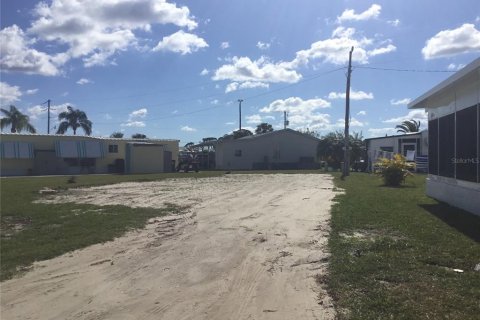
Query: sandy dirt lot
x=248, y=248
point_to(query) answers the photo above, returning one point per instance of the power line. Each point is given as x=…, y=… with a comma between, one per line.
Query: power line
x=295, y=84
x=310, y=78
x=404, y=70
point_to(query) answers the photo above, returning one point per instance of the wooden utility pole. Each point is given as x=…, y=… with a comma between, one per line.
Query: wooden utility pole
x=346, y=158
x=240, y=114
x=48, y=110
x=285, y=121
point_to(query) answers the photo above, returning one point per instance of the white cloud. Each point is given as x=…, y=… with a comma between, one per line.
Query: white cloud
x=215, y=102
x=400, y=102
x=188, y=129
x=134, y=124
x=371, y=13
x=262, y=70
x=449, y=43
x=455, y=67
x=19, y=56
x=230, y=123
x=418, y=115
x=36, y=111
x=263, y=45
x=39, y=110
x=302, y=113
x=9, y=94
x=354, y=95
x=204, y=72
x=382, y=50
x=181, y=42
x=95, y=30
x=353, y=123
x=140, y=113
x=225, y=45
x=394, y=23
x=254, y=119
x=31, y=91
x=233, y=86
x=335, y=49
x=83, y=81
x=362, y=113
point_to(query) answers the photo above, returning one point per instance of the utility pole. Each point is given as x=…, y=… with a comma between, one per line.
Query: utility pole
x=346, y=158
x=240, y=114
x=285, y=121
x=48, y=108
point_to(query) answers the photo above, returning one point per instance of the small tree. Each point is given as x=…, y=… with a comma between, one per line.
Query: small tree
x=263, y=128
x=116, y=135
x=139, y=136
x=16, y=120
x=242, y=133
x=331, y=148
x=74, y=118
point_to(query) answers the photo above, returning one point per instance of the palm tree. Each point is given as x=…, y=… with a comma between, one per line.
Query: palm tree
x=17, y=120
x=408, y=126
x=75, y=119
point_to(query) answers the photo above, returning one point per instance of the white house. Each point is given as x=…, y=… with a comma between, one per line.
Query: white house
x=281, y=149
x=453, y=138
x=411, y=145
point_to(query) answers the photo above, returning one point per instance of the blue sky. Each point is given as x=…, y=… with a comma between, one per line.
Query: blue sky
x=176, y=70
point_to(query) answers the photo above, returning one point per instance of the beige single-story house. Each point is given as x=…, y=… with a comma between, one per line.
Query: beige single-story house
x=40, y=154
x=411, y=145
x=280, y=149
x=453, y=108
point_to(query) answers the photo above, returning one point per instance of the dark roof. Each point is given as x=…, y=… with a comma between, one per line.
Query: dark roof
x=398, y=135
x=258, y=136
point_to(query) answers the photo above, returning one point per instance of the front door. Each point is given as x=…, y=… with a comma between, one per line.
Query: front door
x=406, y=147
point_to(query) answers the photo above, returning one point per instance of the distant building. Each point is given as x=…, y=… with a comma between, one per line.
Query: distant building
x=413, y=145
x=453, y=138
x=281, y=149
x=36, y=154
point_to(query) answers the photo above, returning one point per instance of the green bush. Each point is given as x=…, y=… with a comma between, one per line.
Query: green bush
x=395, y=170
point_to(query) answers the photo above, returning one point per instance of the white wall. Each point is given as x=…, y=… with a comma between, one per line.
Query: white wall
x=461, y=194
x=464, y=94
x=283, y=146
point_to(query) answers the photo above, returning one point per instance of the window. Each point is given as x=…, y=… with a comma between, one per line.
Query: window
x=238, y=153
x=446, y=146
x=388, y=149
x=113, y=148
x=433, y=147
x=466, y=140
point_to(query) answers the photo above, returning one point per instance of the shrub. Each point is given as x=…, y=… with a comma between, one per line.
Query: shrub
x=395, y=170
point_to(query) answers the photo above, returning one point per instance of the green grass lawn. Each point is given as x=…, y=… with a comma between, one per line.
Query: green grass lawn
x=394, y=251
x=31, y=232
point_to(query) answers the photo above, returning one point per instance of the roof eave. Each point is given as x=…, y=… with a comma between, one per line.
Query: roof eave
x=421, y=101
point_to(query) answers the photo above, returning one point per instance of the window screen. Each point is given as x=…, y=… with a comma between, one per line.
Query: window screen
x=433, y=147
x=466, y=139
x=446, y=150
